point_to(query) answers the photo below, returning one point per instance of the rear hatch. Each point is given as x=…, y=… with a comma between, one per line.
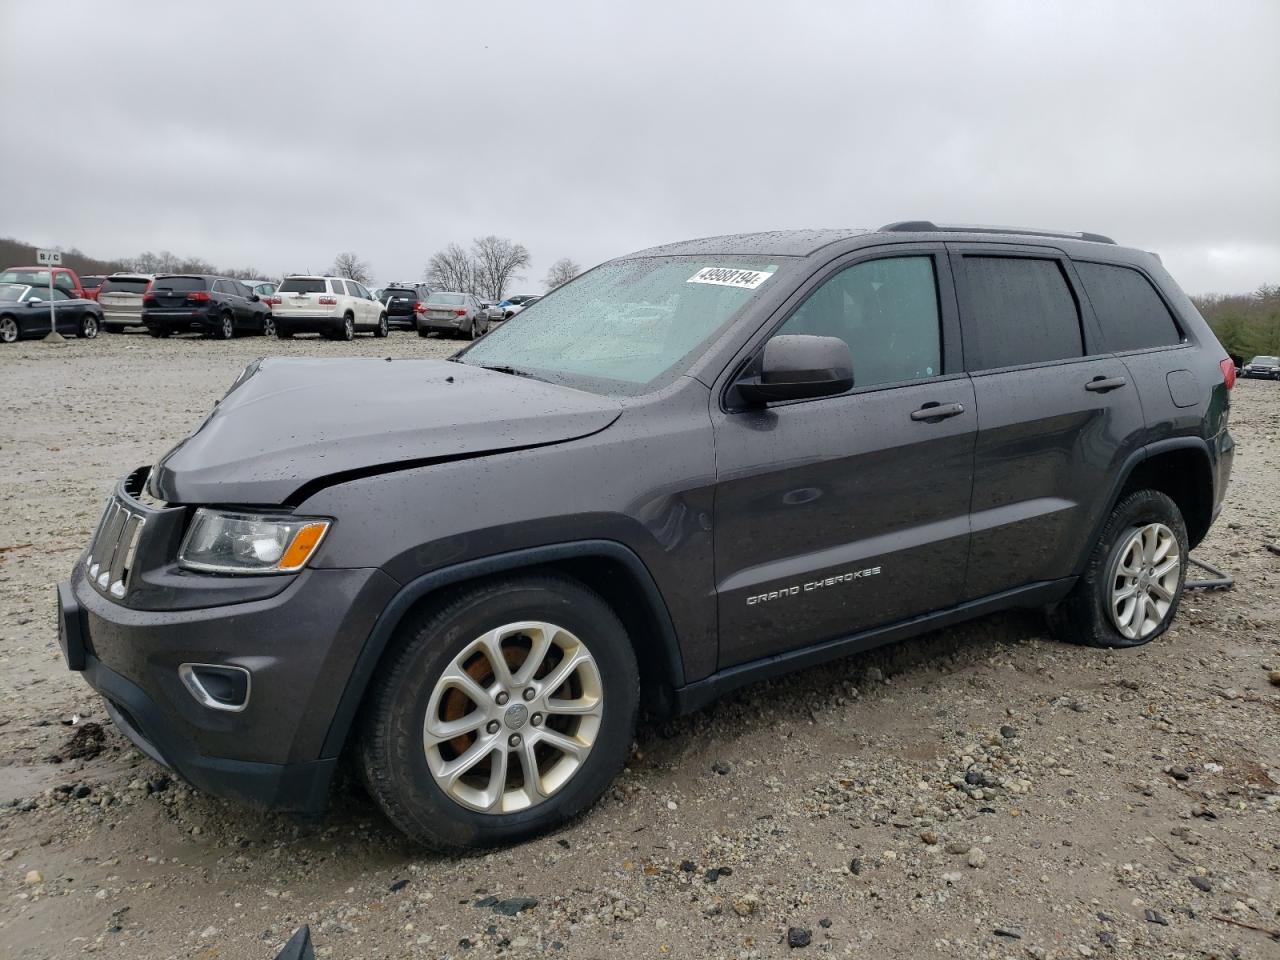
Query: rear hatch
x=173, y=294
x=122, y=296
x=399, y=302
x=444, y=306
x=301, y=295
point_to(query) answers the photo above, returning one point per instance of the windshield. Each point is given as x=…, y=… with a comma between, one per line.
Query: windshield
x=449, y=299
x=1268, y=360
x=124, y=285
x=627, y=325
x=11, y=291
x=179, y=283
x=302, y=285
x=35, y=278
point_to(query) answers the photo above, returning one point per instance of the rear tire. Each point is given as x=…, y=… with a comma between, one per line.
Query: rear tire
x=268, y=326
x=282, y=334
x=226, y=328
x=160, y=333
x=1093, y=613
x=348, y=328
x=383, y=328
x=423, y=333
x=396, y=750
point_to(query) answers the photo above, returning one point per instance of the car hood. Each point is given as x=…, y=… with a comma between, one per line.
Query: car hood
x=290, y=425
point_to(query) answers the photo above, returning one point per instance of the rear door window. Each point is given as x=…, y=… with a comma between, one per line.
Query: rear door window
x=125, y=285
x=1130, y=312
x=1017, y=310
x=302, y=285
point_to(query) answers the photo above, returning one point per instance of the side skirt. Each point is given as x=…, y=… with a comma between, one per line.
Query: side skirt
x=696, y=695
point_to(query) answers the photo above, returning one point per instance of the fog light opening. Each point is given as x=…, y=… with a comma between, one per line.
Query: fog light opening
x=217, y=686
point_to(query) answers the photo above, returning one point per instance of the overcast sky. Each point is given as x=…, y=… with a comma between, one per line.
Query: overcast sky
x=279, y=133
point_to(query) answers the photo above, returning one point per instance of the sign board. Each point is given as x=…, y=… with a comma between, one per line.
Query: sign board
x=49, y=258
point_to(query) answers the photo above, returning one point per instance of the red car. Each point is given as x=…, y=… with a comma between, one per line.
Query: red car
x=91, y=286
x=63, y=278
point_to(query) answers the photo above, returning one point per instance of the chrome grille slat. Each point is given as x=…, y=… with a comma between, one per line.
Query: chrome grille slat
x=109, y=563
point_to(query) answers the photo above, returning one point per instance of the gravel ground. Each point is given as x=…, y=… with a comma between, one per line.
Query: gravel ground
x=979, y=792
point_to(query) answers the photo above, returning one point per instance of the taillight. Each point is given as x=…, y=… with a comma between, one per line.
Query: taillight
x=1228, y=372
x=459, y=313
x=329, y=301
x=419, y=307
x=149, y=301
x=271, y=301
x=199, y=296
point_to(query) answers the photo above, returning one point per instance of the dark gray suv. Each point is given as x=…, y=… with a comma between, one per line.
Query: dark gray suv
x=688, y=469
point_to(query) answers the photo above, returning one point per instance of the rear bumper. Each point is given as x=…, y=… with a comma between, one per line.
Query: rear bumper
x=307, y=322
x=453, y=323
x=178, y=319
x=127, y=318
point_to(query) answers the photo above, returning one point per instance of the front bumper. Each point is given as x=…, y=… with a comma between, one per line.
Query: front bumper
x=299, y=645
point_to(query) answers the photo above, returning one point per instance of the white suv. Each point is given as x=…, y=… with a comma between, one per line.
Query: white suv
x=331, y=306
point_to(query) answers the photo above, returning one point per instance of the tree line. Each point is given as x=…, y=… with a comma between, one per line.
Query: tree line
x=488, y=268
x=1247, y=325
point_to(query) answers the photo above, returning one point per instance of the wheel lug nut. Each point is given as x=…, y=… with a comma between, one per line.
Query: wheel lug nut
x=536, y=720
x=514, y=740
x=530, y=693
x=492, y=726
x=502, y=698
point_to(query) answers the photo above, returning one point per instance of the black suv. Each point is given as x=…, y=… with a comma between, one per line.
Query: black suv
x=690, y=468
x=216, y=306
x=404, y=301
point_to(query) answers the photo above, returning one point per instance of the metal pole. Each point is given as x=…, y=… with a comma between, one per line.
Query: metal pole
x=53, y=336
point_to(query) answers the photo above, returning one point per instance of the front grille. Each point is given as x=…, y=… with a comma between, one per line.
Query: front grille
x=114, y=547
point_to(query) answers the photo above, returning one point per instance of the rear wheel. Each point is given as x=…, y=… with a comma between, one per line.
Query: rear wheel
x=500, y=714
x=383, y=329
x=158, y=332
x=8, y=330
x=1131, y=588
x=423, y=333
x=268, y=326
x=112, y=328
x=226, y=327
x=348, y=329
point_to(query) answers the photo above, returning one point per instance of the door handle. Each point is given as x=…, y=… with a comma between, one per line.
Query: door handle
x=1103, y=384
x=933, y=410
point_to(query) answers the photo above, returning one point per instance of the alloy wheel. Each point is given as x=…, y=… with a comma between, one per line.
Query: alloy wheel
x=348, y=329
x=1144, y=580
x=89, y=328
x=268, y=326
x=8, y=330
x=513, y=717
x=227, y=327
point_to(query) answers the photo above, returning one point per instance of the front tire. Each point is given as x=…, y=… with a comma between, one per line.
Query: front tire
x=502, y=713
x=8, y=330
x=1131, y=588
x=88, y=328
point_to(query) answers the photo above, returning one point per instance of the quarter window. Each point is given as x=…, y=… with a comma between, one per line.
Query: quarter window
x=1130, y=312
x=1018, y=310
x=886, y=311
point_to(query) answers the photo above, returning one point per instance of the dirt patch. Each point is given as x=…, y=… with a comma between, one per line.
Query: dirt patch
x=88, y=740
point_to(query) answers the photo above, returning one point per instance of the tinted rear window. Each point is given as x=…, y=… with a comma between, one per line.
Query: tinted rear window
x=121, y=285
x=91, y=281
x=1018, y=310
x=399, y=292
x=448, y=299
x=179, y=283
x=302, y=285
x=1130, y=312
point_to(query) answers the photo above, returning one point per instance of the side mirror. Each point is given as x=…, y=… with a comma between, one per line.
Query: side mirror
x=33, y=301
x=799, y=367
x=254, y=298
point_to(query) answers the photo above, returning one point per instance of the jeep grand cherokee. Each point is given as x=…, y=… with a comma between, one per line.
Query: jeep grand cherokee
x=690, y=468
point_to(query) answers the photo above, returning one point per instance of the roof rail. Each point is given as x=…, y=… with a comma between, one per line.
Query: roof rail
x=928, y=226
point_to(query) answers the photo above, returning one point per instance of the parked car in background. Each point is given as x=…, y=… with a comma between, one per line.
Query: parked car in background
x=24, y=312
x=215, y=306
x=263, y=288
x=63, y=277
x=513, y=305
x=330, y=306
x=403, y=301
x=1264, y=367
x=91, y=286
x=120, y=297
x=453, y=313
x=493, y=311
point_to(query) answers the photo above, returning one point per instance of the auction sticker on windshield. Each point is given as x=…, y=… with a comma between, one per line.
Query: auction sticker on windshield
x=729, y=277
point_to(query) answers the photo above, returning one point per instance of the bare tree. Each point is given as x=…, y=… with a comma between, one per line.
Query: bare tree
x=451, y=269
x=561, y=272
x=497, y=262
x=352, y=267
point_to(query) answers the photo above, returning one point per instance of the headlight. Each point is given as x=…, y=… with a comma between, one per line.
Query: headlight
x=247, y=543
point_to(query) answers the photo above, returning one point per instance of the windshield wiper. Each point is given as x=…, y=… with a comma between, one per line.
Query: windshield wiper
x=504, y=368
